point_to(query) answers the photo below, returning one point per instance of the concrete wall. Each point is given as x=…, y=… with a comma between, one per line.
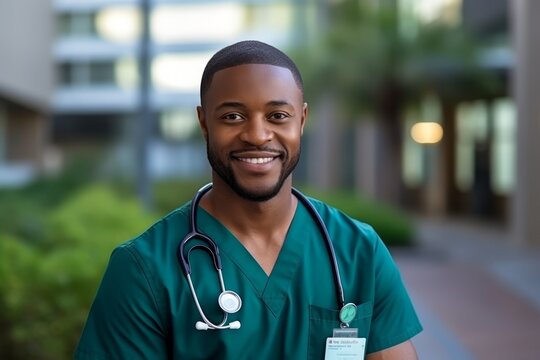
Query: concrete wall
x=526, y=89
x=26, y=35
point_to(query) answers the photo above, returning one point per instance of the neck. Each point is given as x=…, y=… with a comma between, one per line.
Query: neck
x=260, y=226
x=237, y=212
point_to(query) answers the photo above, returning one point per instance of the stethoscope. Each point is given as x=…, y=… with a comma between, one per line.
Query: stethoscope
x=229, y=301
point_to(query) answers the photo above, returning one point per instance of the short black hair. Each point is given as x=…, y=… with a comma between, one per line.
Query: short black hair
x=247, y=52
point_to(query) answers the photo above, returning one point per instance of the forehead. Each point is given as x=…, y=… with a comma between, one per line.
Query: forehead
x=251, y=82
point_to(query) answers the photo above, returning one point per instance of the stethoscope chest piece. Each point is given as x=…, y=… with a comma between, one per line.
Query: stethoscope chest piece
x=229, y=301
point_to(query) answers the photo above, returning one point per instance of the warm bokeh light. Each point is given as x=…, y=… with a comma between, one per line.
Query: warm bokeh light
x=427, y=132
x=119, y=23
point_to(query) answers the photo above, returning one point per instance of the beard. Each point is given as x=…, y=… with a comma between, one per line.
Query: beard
x=226, y=173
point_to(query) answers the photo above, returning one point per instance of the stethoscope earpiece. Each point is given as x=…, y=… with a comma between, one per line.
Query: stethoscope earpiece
x=200, y=325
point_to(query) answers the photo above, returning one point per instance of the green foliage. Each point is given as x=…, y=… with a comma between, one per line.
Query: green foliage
x=394, y=227
x=46, y=287
x=51, y=262
x=168, y=195
x=361, y=57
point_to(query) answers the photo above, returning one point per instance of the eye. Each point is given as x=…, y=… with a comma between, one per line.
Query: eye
x=279, y=116
x=232, y=117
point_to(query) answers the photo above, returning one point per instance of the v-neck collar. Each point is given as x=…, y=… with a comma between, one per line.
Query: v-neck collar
x=273, y=289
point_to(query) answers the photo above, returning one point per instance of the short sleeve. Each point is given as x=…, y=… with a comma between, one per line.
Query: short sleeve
x=394, y=318
x=123, y=322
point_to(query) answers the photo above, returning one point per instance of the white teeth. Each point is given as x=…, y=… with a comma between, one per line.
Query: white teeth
x=257, y=160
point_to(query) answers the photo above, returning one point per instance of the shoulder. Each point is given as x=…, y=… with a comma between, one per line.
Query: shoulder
x=340, y=223
x=162, y=236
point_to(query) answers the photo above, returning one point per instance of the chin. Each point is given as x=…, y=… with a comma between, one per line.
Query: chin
x=259, y=194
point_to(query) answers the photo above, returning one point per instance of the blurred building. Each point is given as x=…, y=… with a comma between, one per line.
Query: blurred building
x=26, y=84
x=470, y=170
x=96, y=55
x=486, y=164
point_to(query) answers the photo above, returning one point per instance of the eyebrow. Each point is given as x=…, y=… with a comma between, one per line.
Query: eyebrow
x=230, y=104
x=278, y=103
x=234, y=104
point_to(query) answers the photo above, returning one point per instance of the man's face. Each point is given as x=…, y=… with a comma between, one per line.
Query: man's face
x=252, y=121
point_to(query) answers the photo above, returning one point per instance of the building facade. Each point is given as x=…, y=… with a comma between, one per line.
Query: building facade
x=97, y=52
x=26, y=86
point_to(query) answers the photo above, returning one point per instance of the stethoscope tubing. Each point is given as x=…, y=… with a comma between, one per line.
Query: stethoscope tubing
x=330, y=247
x=211, y=247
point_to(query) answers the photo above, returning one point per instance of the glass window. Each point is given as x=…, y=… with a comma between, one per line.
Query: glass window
x=122, y=23
x=270, y=18
x=417, y=164
x=413, y=159
x=178, y=124
x=471, y=129
x=126, y=73
x=65, y=76
x=504, y=147
x=64, y=24
x=102, y=73
x=76, y=24
x=197, y=22
x=180, y=72
x=122, y=73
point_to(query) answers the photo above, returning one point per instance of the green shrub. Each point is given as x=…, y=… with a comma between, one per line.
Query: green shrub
x=168, y=195
x=47, y=288
x=393, y=226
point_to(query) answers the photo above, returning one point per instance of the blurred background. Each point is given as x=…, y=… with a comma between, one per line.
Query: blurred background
x=424, y=120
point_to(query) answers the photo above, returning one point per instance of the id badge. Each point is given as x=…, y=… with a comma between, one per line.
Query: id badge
x=347, y=348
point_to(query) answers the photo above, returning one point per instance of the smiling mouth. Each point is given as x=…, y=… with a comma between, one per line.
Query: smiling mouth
x=261, y=160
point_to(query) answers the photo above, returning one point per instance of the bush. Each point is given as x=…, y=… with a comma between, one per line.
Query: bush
x=394, y=227
x=51, y=262
x=47, y=288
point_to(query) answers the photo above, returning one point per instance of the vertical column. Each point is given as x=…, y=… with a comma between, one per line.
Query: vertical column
x=365, y=157
x=324, y=159
x=3, y=132
x=526, y=88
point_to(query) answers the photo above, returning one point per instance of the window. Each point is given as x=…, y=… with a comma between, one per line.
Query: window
x=179, y=124
x=73, y=74
x=121, y=72
x=189, y=23
x=179, y=72
x=76, y=24
x=102, y=73
x=504, y=147
x=471, y=131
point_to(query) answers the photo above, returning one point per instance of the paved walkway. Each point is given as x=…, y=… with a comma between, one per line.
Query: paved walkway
x=477, y=294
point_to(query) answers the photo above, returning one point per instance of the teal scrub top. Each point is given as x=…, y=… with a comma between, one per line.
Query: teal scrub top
x=145, y=310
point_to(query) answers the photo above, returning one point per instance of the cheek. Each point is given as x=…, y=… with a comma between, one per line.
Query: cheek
x=219, y=139
x=292, y=136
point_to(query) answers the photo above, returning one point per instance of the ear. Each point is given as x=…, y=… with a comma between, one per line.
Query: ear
x=305, y=113
x=202, y=121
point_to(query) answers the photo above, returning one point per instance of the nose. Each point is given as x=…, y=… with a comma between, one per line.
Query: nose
x=256, y=131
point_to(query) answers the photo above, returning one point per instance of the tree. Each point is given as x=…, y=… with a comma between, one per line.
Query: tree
x=372, y=70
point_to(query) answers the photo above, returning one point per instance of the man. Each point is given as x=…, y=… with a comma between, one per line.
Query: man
x=273, y=254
